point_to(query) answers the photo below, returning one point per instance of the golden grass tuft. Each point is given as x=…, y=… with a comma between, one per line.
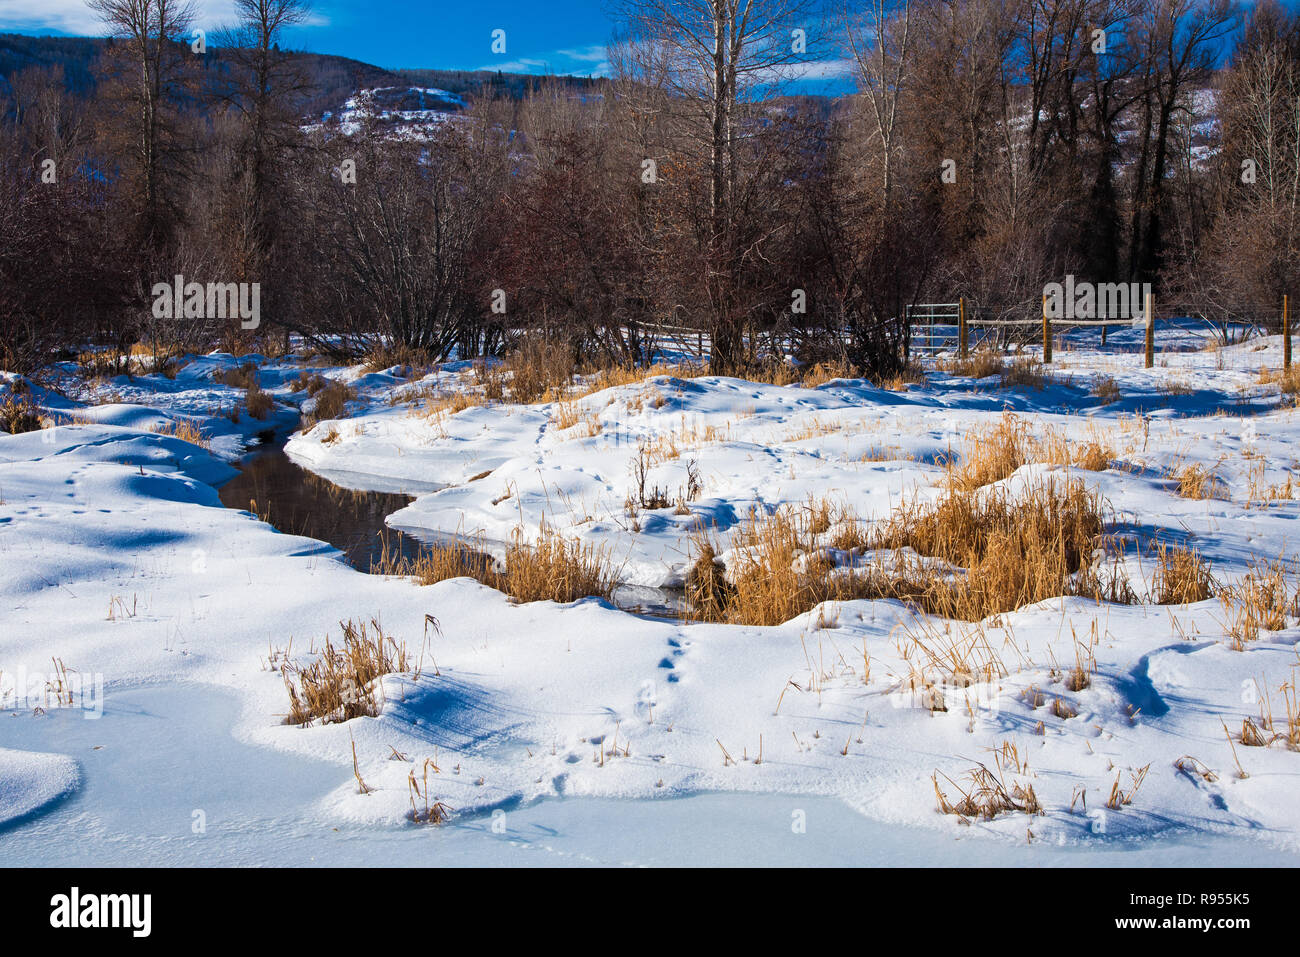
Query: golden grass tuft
x=950, y=558
x=186, y=431
x=1261, y=601
x=258, y=403
x=829, y=371
x=978, y=364
x=987, y=795
x=18, y=416
x=343, y=683
x=1028, y=373
x=1181, y=577
x=331, y=401
x=708, y=593
x=238, y=377
x=995, y=453
x=553, y=568
x=1106, y=388
x=1195, y=481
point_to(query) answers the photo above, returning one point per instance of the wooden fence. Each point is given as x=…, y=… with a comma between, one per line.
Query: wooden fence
x=941, y=326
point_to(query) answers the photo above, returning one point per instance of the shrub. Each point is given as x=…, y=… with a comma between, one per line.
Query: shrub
x=19, y=415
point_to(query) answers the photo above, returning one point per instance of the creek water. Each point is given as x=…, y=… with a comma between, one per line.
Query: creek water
x=300, y=502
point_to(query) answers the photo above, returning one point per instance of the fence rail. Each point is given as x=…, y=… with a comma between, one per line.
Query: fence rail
x=936, y=327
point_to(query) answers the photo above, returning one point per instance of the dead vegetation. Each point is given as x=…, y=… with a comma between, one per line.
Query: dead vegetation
x=435, y=812
x=330, y=402
x=1182, y=577
x=186, y=431
x=258, y=403
x=988, y=794
x=998, y=451
x=949, y=558
x=343, y=682
x=1261, y=600
x=19, y=415
x=238, y=377
x=553, y=568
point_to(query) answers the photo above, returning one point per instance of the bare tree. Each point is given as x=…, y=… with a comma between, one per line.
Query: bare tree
x=879, y=41
x=151, y=29
x=712, y=56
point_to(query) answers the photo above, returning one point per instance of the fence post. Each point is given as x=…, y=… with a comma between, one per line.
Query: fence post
x=961, y=324
x=1286, y=334
x=1151, y=329
x=1047, y=334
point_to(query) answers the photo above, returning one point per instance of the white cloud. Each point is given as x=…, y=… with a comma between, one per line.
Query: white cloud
x=581, y=61
x=824, y=70
x=73, y=16
x=592, y=54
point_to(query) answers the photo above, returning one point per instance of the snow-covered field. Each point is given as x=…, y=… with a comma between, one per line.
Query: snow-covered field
x=173, y=614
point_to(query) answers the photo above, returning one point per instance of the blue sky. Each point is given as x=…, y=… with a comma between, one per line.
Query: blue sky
x=568, y=36
x=564, y=37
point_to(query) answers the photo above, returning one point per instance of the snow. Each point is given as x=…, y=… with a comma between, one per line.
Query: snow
x=118, y=561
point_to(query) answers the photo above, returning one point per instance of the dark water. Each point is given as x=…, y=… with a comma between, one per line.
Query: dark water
x=299, y=502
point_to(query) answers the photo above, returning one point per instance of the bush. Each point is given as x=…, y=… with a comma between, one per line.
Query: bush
x=19, y=415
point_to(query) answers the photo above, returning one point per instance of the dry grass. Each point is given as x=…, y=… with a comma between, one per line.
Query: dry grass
x=978, y=364
x=19, y=415
x=1122, y=798
x=1106, y=388
x=309, y=382
x=957, y=565
x=186, y=431
x=1049, y=527
x=382, y=358
x=331, y=402
x=995, y=453
x=824, y=372
x=554, y=568
x=258, y=403
x=1095, y=455
x=343, y=683
x=239, y=377
x=536, y=370
x=901, y=381
x=988, y=795
x=1261, y=601
x=1181, y=577
x=708, y=593
x=433, y=813
x=1195, y=481
x=1028, y=373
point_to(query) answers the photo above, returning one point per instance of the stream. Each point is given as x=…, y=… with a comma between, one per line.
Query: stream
x=300, y=502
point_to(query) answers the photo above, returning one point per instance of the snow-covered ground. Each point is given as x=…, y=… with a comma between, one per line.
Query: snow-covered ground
x=172, y=615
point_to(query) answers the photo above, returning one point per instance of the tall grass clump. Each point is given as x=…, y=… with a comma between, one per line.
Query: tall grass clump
x=343, y=682
x=18, y=416
x=553, y=568
x=995, y=453
x=1182, y=577
x=968, y=556
x=1260, y=601
x=329, y=402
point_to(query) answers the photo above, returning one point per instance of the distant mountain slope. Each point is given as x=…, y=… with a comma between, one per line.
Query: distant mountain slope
x=335, y=79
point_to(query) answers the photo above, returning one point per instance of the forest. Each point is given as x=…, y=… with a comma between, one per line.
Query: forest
x=989, y=147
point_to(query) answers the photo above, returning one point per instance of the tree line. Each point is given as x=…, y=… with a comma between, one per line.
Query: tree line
x=990, y=147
